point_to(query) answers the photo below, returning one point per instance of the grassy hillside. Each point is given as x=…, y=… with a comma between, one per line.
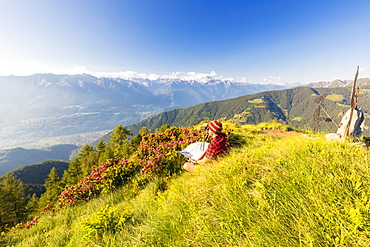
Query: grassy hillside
x=277, y=189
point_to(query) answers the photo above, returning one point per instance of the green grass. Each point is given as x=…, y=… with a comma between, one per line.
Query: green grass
x=279, y=189
x=256, y=101
x=335, y=97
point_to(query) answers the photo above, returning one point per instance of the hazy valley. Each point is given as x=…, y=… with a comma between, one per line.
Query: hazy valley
x=46, y=109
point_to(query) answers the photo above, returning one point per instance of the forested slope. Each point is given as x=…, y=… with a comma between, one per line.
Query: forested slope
x=33, y=176
x=294, y=107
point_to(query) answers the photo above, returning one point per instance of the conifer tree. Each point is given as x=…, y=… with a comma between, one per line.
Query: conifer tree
x=107, y=154
x=162, y=128
x=135, y=141
x=119, y=135
x=32, y=204
x=87, y=162
x=101, y=146
x=12, y=202
x=119, y=143
x=85, y=151
x=144, y=131
x=73, y=174
x=53, y=188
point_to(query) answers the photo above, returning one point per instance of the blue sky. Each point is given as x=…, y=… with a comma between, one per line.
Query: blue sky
x=253, y=41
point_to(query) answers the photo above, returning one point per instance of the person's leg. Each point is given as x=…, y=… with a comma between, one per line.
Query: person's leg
x=188, y=167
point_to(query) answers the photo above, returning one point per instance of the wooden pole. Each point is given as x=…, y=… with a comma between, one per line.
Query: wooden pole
x=353, y=102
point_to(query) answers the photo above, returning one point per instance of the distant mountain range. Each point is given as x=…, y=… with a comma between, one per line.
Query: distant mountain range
x=364, y=83
x=46, y=109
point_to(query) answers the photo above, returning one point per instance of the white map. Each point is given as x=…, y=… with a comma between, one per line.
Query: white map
x=195, y=151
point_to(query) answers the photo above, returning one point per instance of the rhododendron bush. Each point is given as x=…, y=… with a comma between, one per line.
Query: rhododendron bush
x=158, y=155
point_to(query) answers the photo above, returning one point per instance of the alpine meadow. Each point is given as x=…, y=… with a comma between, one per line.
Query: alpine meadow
x=276, y=187
x=281, y=184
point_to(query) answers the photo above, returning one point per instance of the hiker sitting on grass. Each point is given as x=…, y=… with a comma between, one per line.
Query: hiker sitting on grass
x=218, y=146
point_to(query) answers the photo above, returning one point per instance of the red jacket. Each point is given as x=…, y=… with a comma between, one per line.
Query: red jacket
x=218, y=146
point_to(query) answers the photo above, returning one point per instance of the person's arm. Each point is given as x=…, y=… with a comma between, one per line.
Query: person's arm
x=202, y=161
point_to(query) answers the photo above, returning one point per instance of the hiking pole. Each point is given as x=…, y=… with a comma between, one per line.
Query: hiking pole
x=353, y=103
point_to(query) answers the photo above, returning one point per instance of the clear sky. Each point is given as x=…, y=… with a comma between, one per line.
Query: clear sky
x=256, y=41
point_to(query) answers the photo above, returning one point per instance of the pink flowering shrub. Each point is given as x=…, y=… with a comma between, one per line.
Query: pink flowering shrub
x=26, y=226
x=158, y=155
x=103, y=178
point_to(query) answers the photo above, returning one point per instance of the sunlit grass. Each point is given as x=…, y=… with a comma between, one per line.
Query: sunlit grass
x=278, y=189
x=256, y=101
x=335, y=97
